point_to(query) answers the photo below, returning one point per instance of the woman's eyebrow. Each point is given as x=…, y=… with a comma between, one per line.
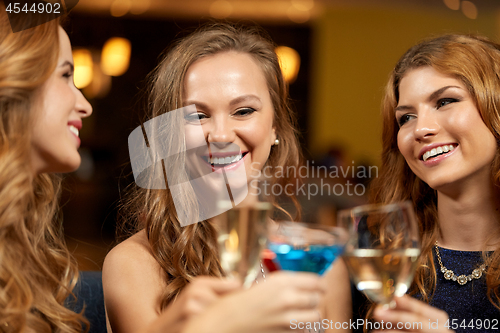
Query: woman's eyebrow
x=403, y=108
x=69, y=64
x=432, y=97
x=438, y=92
x=237, y=100
x=244, y=98
x=197, y=103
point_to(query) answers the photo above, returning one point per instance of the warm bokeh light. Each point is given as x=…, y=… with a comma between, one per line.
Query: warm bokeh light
x=452, y=4
x=220, y=9
x=298, y=15
x=289, y=62
x=120, y=7
x=140, y=7
x=469, y=9
x=83, y=67
x=115, y=56
x=100, y=85
x=303, y=5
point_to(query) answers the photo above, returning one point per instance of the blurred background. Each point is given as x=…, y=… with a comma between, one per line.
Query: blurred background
x=338, y=54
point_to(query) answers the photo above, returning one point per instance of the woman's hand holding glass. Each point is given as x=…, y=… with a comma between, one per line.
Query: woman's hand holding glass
x=268, y=307
x=410, y=315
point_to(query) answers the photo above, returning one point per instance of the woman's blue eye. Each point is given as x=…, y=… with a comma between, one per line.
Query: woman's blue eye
x=445, y=101
x=404, y=119
x=245, y=111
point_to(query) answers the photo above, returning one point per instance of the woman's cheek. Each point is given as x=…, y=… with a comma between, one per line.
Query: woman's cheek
x=404, y=143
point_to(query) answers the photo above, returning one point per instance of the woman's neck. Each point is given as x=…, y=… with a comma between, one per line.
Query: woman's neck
x=469, y=218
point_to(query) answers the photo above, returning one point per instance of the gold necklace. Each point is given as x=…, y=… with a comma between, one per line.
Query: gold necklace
x=461, y=279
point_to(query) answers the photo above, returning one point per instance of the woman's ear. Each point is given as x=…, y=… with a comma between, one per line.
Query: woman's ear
x=273, y=135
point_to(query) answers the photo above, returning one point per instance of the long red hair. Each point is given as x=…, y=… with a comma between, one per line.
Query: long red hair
x=475, y=61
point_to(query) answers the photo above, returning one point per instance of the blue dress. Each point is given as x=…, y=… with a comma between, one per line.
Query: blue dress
x=467, y=305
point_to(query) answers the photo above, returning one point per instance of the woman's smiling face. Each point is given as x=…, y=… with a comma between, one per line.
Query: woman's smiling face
x=235, y=111
x=59, y=117
x=442, y=135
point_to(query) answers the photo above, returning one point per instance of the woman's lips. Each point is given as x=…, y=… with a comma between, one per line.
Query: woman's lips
x=432, y=161
x=73, y=132
x=74, y=126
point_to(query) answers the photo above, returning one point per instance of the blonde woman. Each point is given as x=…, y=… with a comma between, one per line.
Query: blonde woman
x=41, y=114
x=232, y=77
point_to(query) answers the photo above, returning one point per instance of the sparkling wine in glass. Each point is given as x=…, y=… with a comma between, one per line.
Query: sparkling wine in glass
x=241, y=238
x=383, y=249
x=306, y=247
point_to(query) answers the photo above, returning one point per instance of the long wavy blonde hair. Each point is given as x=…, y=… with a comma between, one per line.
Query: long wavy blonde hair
x=37, y=273
x=475, y=61
x=186, y=252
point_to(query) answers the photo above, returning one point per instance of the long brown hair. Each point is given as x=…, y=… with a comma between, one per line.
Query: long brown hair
x=186, y=252
x=475, y=61
x=37, y=273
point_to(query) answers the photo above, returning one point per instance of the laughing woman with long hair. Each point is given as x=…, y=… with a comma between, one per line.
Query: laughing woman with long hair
x=232, y=76
x=40, y=114
x=441, y=134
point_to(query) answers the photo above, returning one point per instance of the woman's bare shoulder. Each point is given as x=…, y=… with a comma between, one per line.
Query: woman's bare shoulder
x=133, y=284
x=132, y=256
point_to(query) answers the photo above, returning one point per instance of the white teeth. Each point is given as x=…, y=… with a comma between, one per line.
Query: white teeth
x=436, y=151
x=225, y=160
x=74, y=130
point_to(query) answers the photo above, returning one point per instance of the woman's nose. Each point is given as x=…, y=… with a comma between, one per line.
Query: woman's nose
x=220, y=132
x=427, y=125
x=82, y=106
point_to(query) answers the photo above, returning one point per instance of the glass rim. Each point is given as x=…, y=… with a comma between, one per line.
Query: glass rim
x=377, y=207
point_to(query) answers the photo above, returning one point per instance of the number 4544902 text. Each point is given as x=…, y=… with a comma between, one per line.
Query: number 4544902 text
x=40, y=8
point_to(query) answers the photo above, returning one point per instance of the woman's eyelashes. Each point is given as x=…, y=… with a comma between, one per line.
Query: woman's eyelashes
x=404, y=119
x=68, y=71
x=244, y=111
x=67, y=74
x=445, y=101
x=198, y=116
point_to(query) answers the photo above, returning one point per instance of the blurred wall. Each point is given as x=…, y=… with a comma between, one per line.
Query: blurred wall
x=354, y=49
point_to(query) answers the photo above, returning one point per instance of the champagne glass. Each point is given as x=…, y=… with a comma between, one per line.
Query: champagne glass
x=306, y=247
x=383, y=249
x=242, y=236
